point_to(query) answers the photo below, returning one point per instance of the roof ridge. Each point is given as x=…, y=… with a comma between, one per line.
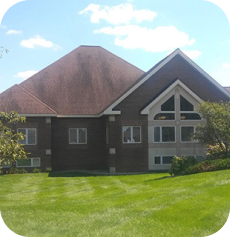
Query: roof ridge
x=34, y=97
x=120, y=58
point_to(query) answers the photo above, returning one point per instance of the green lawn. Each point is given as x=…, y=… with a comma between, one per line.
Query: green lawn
x=37, y=205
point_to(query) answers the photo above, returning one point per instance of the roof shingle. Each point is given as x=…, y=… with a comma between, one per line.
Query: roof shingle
x=84, y=82
x=19, y=100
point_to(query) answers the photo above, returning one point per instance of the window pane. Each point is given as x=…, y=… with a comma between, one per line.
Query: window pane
x=167, y=159
x=73, y=136
x=31, y=136
x=36, y=162
x=82, y=135
x=24, y=162
x=185, y=105
x=156, y=134
x=190, y=116
x=168, y=134
x=23, y=131
x=126, y=134
x=157, y=160
x=169, y=105
x=187, y=133
x=165, y=116
x=136, y=134
x=200, y=158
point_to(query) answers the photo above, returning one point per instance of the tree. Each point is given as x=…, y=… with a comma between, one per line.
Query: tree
x=10, y=147
x=216, y=132
x=3, y=50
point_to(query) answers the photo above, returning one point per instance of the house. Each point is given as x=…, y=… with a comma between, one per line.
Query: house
x=91, y=110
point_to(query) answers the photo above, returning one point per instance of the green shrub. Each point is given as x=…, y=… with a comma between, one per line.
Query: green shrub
x=13, y=170
x=209, y=165
x=22, y=171
x=36, y=170
x=179, y=165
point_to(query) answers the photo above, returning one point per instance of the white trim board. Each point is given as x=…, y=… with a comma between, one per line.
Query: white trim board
x=156, y=69
x=165, y=92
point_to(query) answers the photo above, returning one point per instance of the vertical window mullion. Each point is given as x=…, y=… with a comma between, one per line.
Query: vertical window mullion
x=77, y=134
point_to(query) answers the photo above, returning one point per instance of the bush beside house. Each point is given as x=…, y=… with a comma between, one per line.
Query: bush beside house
x=189, y=165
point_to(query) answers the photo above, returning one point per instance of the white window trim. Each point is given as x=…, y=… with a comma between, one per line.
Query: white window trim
x=161, y=159
x=161, y=134
x=32, y=165
x=131, y=142
x=26, y=138
x=77, y=143
x=184, y=126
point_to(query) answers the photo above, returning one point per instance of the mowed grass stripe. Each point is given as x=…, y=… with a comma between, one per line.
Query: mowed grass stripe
x=130, y=205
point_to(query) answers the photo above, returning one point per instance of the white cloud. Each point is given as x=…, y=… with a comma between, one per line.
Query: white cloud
x=14, y=32
x=25, y=75
x=160, y=39
x=121, y=14
x=38, y=41
x=226, y=65
x=193, y=54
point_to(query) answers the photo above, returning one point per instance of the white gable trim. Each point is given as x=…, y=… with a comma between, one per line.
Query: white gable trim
x=157, y=68
x=165, y=92
x=146, y=77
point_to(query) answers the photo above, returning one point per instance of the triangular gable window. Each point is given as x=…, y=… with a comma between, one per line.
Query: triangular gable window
x=169, y=105
x=185, y=105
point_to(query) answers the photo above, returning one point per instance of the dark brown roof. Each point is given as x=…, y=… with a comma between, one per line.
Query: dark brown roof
x=84, y=82
x=19, y=100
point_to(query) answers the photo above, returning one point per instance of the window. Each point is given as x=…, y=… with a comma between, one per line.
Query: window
x=77, y=136
x=185, y=105
x=30, y=162
x=169, y=105
x=131, y=134
x=30, y=136
x=190, y=116
x=198, y=157
x=187, y=134
x=5, y=164
x=163, y=160
x=164, y=134
x=164, y=116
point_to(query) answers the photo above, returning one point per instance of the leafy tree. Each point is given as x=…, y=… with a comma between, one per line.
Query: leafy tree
x=10, y=147
x=217, y=129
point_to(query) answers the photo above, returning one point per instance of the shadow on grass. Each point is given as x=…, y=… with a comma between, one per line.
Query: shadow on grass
x=70, y=174
x=162, y=178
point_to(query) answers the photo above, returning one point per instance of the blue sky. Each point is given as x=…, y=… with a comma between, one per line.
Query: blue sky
x=39, y=32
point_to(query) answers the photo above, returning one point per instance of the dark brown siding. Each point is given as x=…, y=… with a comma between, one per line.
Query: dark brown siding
x=135, y=157
x=43, y=140
x=177, y=68
x=90, y=156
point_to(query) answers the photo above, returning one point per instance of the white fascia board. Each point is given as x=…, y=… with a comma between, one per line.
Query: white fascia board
x=166, y=91
x=163, y=63
x=78, y=116
x=110, y=108
x=38, y=115
x=205, y=74
x=110, y=112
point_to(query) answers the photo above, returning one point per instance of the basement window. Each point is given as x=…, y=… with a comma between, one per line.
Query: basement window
x=30, y=162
